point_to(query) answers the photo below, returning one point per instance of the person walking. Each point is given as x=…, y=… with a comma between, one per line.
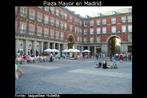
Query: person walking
x=18, y=69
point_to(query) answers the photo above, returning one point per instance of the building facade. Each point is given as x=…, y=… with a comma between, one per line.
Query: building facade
x=40, y=27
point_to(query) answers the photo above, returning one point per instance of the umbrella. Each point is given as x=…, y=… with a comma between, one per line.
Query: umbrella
x=65, y=50
x=54, y=50
x=86, y=51
x=76, y=50
x=47, y=50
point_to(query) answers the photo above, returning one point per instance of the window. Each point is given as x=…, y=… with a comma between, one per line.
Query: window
x=91, y=39
x=31, y=28
x=46, y=19
x=98, y=39
x=46, y=8
x=124, y=28
x=45, y=32
x=62, y=35
x=57, y=23
x=70, y=18
x=65, y=16
x=65, y=26
x=113, y=20
x=129, y=18
x=98, y=22
x=15, y=26
x=129, y=38
x=85, y=40
x=123, y=19
x=32, y=14
x=39, y=17
x=52, y=21
x=22, y=27
x=39, y=30
x=23, y=11
x=78, y=39
x=85, y=24
x=114, y=29
x=52, y=33
x=70, y=28
x=57, y=34
x=85, y=31
x=104, y=30
x=80, y=23
x=40, y=7
x=57, y=12
x=61, y=14
x=61, y=24
x=91, y=31
x=91, y=23
x=15, y=9
x=75, y=29
x=98, y=30
x=129, y=28
x=52, y=10
x=80, y=31
x=104, y=21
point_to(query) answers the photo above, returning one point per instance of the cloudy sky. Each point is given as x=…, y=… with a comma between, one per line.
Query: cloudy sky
x=88, y=10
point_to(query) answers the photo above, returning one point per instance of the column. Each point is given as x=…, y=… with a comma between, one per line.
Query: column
x=75, y=46
x=88, y=47
x=26, y=46
x=105, y=49
x=94, y=49
x=16, y=45
x=82, y=48
x=34, y=48
x=41, y=47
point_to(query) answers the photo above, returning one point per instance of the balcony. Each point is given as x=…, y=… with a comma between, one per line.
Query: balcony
x=114, y=31
x=31, y=32
x=103, y=23
x=92, y=24
x=113, y=22
x=32, y=17
x=123, y=21
x=45, y=21
x=45, y=35
x=39, y=34
x=23, y=14
x=129, y=20
x=39, y=19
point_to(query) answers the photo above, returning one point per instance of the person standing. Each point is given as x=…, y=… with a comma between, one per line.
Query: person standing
x=120, y=57
x=110, y=56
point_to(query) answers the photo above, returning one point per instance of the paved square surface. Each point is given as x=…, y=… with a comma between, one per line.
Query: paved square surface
x=74, y=77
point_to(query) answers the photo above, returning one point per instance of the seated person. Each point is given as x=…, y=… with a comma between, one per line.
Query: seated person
x=98, y=65
x=115, y=65
x=105, y=65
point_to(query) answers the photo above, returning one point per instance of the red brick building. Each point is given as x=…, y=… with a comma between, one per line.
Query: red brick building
x=39, y=28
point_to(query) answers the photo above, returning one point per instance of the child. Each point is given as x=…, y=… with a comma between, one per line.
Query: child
x=115, y=65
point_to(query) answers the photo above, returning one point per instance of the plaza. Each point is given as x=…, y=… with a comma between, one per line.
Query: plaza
x=74, y=77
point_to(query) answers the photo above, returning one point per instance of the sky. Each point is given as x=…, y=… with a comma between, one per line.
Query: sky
x=87, y=10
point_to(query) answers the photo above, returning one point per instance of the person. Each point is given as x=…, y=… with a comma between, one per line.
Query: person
x=51, y=57
x=110, y=56
x=18, y=69
x=98, y=65
x=115, y=65
x=120, y=57
x=105, y=64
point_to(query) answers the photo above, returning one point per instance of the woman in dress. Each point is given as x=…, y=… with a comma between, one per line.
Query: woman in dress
x=121, y=57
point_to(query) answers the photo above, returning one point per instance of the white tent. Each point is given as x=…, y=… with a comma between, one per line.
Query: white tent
x=47, y=50
x=86, y=51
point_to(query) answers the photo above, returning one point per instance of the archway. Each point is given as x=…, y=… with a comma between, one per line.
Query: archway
x=70, y=40
x=114, y=45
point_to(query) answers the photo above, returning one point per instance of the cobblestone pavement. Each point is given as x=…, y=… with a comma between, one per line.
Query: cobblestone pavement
x=74, y=77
